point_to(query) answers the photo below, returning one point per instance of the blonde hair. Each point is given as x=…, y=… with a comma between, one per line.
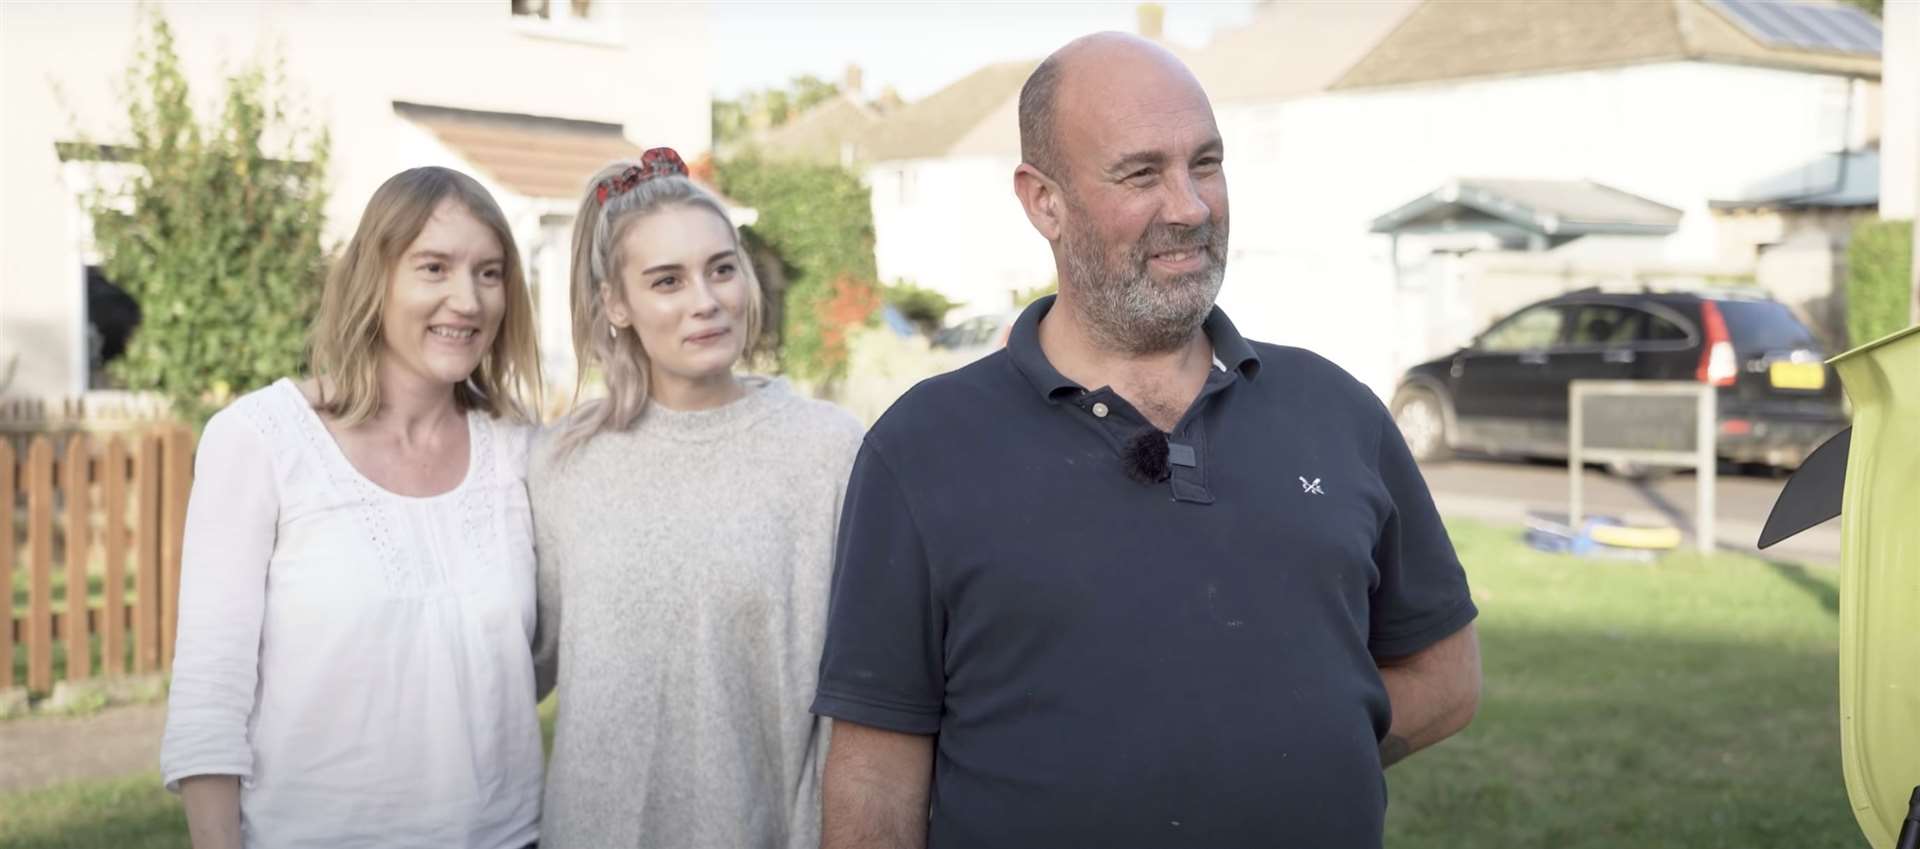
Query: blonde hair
x=597, y=230
x=343, y=350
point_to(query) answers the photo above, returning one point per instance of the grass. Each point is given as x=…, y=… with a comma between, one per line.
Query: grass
x=1690, y=703
x=134, y=812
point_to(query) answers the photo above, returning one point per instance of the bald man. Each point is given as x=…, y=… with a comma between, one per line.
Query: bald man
x=1134, y=580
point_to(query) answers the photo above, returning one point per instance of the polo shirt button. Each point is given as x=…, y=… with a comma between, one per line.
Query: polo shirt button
x=1100, y=410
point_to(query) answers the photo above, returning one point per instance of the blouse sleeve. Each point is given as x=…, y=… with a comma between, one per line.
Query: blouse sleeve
x=232, y=518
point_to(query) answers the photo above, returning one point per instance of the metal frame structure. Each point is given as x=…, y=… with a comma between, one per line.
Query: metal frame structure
x=1703, y=459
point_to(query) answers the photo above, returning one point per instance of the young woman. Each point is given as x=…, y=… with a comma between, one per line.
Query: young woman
x=685, y=528
x=354, y=659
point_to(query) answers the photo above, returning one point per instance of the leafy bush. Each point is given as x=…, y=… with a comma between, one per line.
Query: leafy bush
x=222, y=245
x=926, y=308
x=1879, y=279
x=818, y=220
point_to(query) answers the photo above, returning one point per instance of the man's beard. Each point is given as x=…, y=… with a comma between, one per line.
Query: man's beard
x=1125, y=308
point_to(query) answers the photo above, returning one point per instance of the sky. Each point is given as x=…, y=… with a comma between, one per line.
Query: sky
x=919, y=46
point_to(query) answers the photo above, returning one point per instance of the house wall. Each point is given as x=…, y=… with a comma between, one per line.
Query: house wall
x=1900, y=137
x=1310, y=175
x=1900, y=142
x=954, y=225
x=348, y=63
x=1799, y=256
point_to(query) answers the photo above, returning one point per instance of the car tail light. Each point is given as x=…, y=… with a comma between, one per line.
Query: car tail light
x=1718, y=365
x=1736, y=427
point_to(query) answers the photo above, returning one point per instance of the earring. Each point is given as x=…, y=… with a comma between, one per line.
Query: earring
x=613, y=333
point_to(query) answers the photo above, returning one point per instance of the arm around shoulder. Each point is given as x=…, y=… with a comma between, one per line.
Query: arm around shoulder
x=542, y=466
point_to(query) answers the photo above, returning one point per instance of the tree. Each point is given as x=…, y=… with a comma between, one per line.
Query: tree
x=926, y=308
x=762, y=109
x=819, y=223
x=222, y=247
x=1876, y=8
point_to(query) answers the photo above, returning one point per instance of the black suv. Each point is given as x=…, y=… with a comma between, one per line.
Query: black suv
x=1506, y=393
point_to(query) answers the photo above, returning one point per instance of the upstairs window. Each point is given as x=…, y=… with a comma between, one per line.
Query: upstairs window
x=554, y=10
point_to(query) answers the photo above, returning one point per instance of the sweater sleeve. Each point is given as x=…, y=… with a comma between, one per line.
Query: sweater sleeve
x=232, y=520
x=803, y=826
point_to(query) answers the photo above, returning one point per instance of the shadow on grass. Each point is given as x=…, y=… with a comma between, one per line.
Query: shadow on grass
x=1825, y=592
x=1592, y=739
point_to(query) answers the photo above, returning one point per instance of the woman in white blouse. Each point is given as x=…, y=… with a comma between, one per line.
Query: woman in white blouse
x=353, y=665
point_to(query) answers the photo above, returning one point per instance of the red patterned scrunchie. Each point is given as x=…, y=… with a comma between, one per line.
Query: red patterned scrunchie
x=656, y=162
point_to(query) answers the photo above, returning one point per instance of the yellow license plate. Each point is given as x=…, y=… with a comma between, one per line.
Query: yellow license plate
x=1807, y=376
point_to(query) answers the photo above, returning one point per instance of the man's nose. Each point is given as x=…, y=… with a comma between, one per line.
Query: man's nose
x=1185, y=207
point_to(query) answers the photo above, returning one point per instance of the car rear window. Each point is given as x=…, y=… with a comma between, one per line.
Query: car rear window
x=1764, y=326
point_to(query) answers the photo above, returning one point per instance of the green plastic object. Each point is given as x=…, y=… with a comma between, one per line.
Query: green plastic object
x=1880, y=584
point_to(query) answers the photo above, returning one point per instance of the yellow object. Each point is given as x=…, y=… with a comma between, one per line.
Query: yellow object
x=1880, y=584
x=1809, y=376
x=1621, y=536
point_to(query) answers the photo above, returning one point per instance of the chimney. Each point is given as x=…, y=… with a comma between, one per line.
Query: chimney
x=1151, y=17
x=850, y=84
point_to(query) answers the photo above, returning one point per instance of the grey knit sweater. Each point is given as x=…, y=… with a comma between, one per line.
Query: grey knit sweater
x=683, y=576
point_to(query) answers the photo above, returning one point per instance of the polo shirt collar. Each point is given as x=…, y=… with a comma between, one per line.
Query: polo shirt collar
x=1230, y=350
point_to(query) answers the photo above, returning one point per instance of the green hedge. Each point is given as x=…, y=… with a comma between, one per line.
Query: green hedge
x=1879, y=279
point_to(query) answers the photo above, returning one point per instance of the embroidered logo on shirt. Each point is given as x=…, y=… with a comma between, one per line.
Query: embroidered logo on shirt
x=1311, y=487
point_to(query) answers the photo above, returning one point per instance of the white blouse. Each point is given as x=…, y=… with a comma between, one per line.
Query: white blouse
x=362, y=660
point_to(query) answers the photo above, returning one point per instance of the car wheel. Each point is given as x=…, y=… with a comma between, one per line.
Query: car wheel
x=1423, y=424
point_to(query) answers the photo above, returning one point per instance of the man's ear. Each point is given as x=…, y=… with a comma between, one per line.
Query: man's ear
x=1040, y=197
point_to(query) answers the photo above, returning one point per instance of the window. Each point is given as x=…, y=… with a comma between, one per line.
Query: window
x=1532, y=330
x=1758, y=326
x=1604, y=326
x=548, y=10
x=582, y=21
x=1659, y=329
x=112, y=316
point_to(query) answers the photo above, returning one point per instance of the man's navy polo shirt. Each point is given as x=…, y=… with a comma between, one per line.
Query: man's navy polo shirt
x=1109, y=663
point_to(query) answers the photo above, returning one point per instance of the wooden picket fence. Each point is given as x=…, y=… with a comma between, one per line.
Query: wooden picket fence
x=114, y=505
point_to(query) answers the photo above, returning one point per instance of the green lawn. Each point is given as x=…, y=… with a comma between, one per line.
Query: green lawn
x=1685, y=704
x=125, y=813
x=133, y=812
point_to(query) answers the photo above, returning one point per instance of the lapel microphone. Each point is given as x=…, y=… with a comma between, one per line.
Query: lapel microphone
x=1145, y=457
